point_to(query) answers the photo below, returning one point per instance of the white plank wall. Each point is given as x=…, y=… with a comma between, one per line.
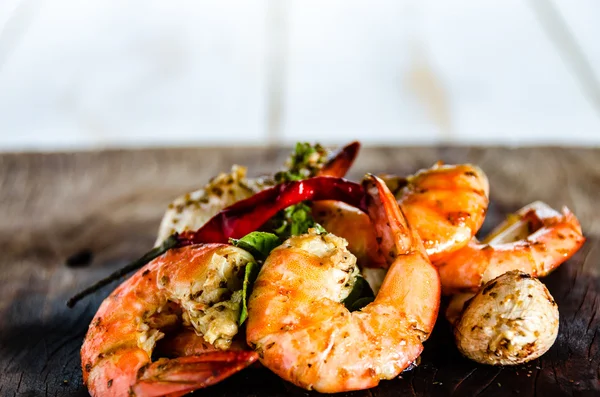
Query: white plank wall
x=121, y=73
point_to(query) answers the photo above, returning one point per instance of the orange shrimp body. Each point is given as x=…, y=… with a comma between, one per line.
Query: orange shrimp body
x=174, y=291
x=535, y=241
x=445, y=204
x=303, y=332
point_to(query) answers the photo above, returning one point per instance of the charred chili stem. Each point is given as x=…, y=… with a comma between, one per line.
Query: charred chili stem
x=169, y=243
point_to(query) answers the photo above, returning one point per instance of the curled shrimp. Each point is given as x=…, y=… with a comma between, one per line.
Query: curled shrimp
x=192, y=210
x=540, y=240
x=197, y=288
x=305, y=335
x=445, y=204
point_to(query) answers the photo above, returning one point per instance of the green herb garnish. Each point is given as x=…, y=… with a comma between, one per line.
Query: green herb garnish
x=294, y=221
x=259, y=244
x=305, y=162
x=250, y=274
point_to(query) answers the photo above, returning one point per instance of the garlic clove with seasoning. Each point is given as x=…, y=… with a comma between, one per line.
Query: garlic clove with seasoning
x=511, y=320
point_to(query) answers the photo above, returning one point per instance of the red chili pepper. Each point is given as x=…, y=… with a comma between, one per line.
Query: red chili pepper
x=249, y=215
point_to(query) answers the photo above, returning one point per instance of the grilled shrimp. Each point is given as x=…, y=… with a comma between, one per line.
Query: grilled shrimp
x=302, y=331
x=445, y=204
x=194, y=209
x=197, y=288
x=541, y=239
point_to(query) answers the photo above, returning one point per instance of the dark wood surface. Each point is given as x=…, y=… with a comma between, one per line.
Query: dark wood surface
x=98, y=210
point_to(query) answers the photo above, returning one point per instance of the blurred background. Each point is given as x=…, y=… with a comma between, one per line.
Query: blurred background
x=130, y=73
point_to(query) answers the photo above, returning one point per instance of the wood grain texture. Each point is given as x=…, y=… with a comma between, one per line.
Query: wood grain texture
x=106, y=206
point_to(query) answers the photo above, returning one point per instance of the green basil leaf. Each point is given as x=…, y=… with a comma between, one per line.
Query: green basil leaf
x=360, y=295
x=259, y=244
x=250, y=274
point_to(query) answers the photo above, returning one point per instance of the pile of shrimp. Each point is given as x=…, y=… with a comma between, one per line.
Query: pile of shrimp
x=172, y=327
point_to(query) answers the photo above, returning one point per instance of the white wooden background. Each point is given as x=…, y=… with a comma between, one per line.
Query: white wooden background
x=97, y=73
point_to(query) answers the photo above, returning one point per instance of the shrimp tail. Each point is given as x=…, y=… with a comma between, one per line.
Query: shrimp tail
x=394, y=235
x=179, y=376
x=341, y=161
x=397, y=240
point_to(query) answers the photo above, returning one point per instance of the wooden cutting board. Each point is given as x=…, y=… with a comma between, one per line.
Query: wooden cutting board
x=99, y=210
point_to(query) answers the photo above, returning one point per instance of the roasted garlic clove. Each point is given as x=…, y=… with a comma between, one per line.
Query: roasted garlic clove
x=511, y=320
